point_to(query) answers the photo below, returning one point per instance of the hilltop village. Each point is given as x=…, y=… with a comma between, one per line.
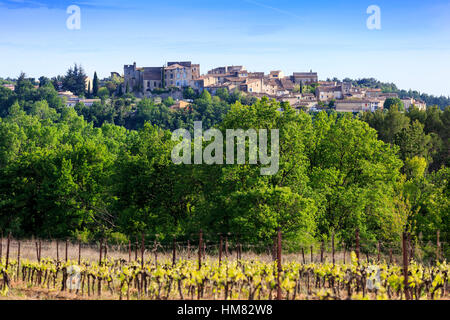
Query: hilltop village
x=301, y=89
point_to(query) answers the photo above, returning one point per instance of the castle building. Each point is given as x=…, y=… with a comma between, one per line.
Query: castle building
x=146, y=79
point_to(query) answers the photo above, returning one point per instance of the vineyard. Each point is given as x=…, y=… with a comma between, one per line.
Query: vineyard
x=195, y=275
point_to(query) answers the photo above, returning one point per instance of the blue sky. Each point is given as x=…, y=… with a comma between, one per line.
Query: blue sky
x=412, y=49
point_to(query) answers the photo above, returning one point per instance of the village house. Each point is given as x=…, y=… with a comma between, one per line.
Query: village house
x=181, y=74
x=204, y=81
x=214, y=87
x=270, y=87
x=356, y=93
x=327, y=83
x=226, y=70
x=409, y=102
x=252, y=86
x=388, y=95
x=180, y=104
x=305, y=77
x=72, y=102
x=256, y=75
x=152, y=78
x=9, y=86
x=308, y=105
x=67, y=95
x=329, y=93
x=175, y=74
x=373, y=93
x=358, y=105
x=278, y=74
x=308, y=97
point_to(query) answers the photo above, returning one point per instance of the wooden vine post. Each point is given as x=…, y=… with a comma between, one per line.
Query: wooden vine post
x=155, y=250
x=220, y=249
x=142, y=250
x=67, y=247
x=438, y=246
x=279, y=268
x=345, y=250
x=200, y=246
x=321, y=251
x=37, y=250
x=189, y=249
x=105, y=254
x=57, y=250
x=79, y=252
x=129, y=251
x=136, y=244
x=405, y=265
x=1, y=246
x=174, y=251
x=8, y=241
x=357, y=244
x=332, y=247
x=226, y=247
x=100, y=253
x=379, y=251
x=18, y=259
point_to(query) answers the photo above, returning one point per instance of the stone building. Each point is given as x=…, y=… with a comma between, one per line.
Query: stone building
x=359, y=105
x=329, y=93
x=305, y=77
x=152, y=78
x=146, y=79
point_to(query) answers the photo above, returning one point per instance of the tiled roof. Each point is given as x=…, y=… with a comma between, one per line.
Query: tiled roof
x=304, y=74
x=174, y=66
x=287, y=84
x=329, y=89
x=186, y=64
x=235, y=79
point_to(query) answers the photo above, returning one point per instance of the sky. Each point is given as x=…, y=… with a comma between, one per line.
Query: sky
x=412, y=48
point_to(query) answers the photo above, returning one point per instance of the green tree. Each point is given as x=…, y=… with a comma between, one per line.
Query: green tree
x=95, y=85
x=75, y=80
x=355, y=177
x=169, y=101
x=413, y=142
x=103, y=93
x=394, y=102
x=189, y=93
x=43, y=81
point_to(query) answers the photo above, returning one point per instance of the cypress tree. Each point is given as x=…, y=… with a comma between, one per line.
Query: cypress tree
x=95, y=85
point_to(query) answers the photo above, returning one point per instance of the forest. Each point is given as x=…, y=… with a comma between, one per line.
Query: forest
x=106, y=172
